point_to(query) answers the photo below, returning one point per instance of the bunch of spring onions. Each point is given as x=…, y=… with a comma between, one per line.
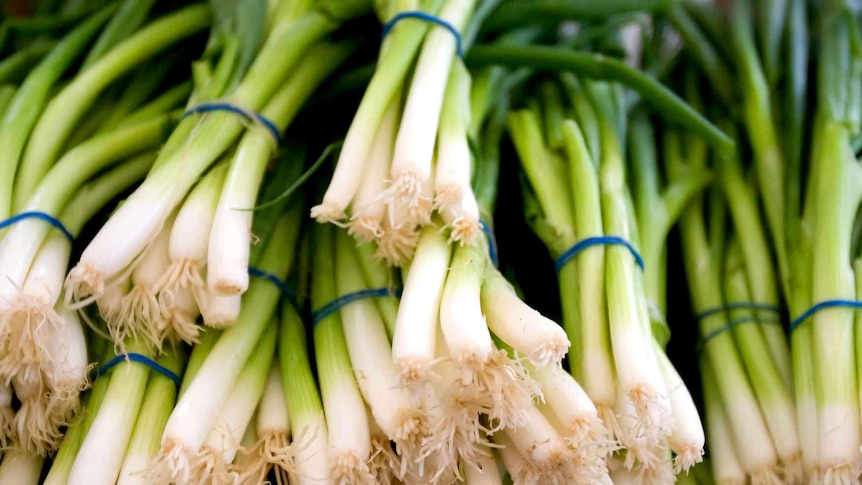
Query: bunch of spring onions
x=184, y=234
x=575, y=160
x=66, y=153
x=404, y=158
x=801, y=133
x=222, y=336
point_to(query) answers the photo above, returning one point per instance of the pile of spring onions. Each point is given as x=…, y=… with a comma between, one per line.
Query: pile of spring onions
x=430, y=242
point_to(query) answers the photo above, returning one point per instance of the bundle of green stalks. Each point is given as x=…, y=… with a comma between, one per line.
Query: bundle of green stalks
x=79, y=128
x=571, y=144
x=185, y=300
x=405, y=159
x=185, y=233
x=790, y=75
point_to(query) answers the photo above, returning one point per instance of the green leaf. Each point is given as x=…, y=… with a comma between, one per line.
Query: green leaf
x=245, y=20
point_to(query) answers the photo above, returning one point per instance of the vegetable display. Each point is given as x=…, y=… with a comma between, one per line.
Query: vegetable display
x=430, y=242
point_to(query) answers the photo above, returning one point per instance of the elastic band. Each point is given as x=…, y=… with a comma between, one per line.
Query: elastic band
x=281, y=285
x=141, y=359
x=492, y=243
x=232, y=108
x=596, y=241
x=328, y=309
x=738, y=305
x=39, y=215
x=733, y=323
x=823, y=305
x=416, y=14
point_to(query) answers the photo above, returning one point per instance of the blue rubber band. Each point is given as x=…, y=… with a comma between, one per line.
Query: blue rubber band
x=281, y=285
x=492, y=243
x=39, y=215
x=142, y=359
x=416, y=14
x=821, y=306
x=733, y=323
x=328, y=309
x=738, y=305
x=596, y=241
x=231, y=108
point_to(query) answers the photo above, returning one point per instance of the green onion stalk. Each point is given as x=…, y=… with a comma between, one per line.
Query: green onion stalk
x=558, y=440
x=159, y=399
x=32, y=96
x=308, y=426
x=657, y=209
x=521, y=330
x=641, y=388
x=726, y=466
x=73, y=437
x=268, y=449
x=100, y=458
x=230, y=237
x=823, y=345
x=348, y=432
x=200, y=140
x=398, y=418
x=737, y=411
x=214, y=461
x=542, y=341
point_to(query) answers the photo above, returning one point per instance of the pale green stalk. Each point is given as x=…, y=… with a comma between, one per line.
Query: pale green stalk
x=764, y=373
x=31, y=97
x=657, y=209
x=839, y=191
x=67, y=107
x=101, y=455
x=630, y=331
x=757, y=109
x=198, y=355
x=73, y=438
x=158, y=402
x=220, y=447
x=751, y=437
x=305, y=410
x=726, y=467
x=349, y=435
x=757, y=257
x=550, y=202
x=378, y=275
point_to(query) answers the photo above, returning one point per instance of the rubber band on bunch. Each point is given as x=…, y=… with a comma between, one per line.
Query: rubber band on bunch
x=275, y=280
x=427, y=17
x=492, y=243
x=589, y=242
x=250, y=115
x=53, y=221
x=737, y=305
x=141, y=359
x=333, y=306
x=822, y=306
x=734, y=323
